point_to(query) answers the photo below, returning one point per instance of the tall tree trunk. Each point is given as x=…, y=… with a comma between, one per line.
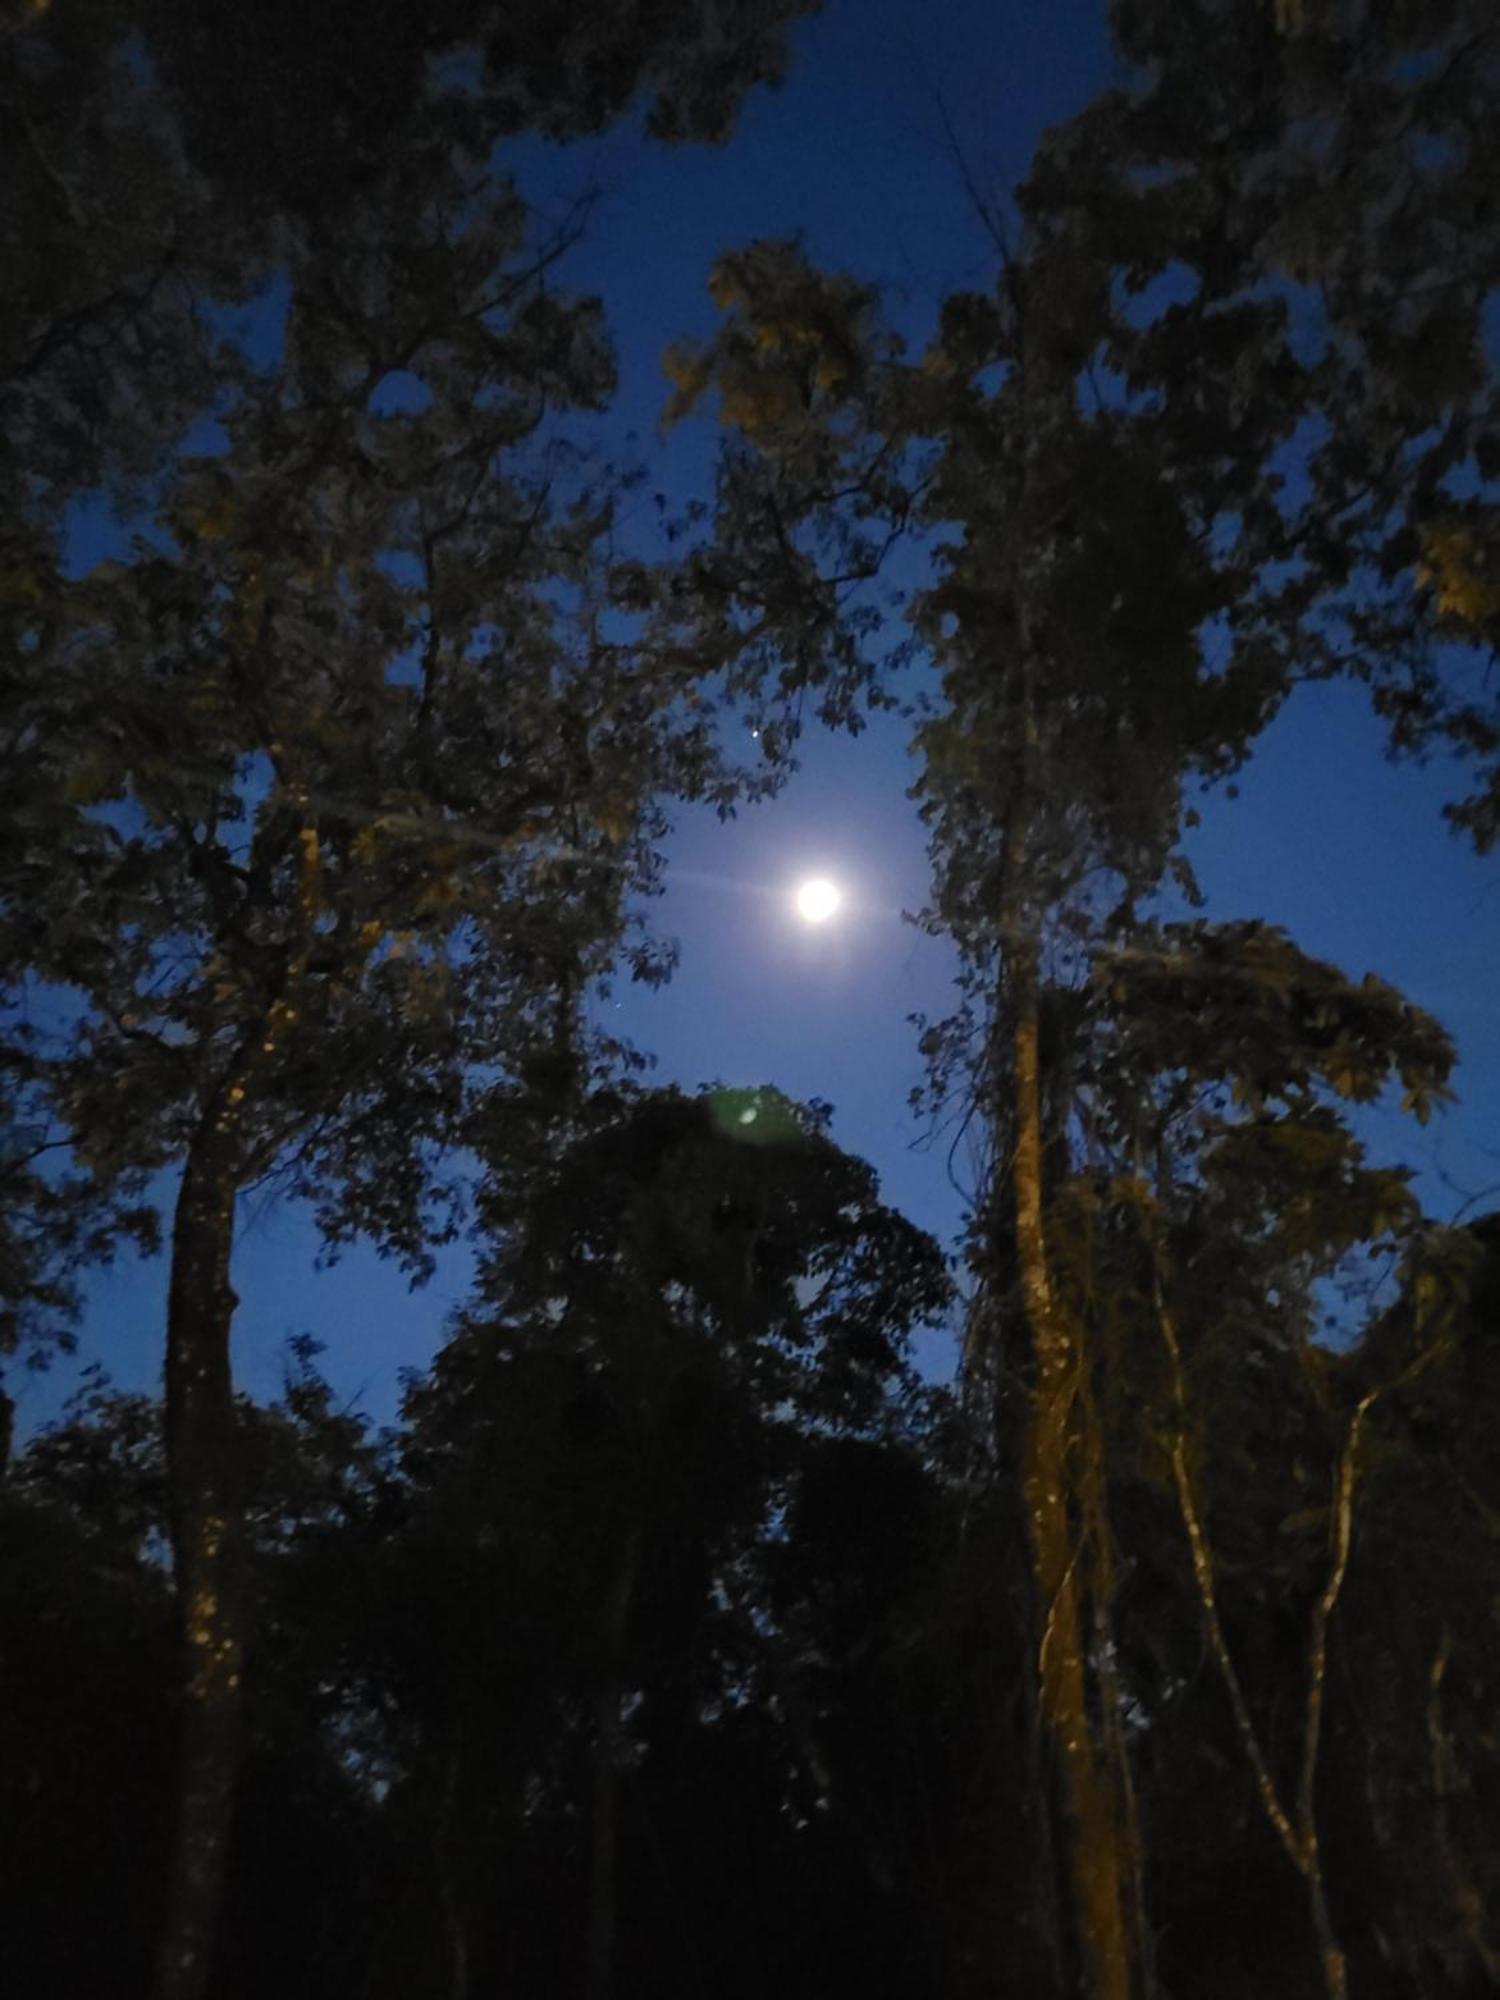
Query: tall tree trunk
x=203, y=1461
x=1097, y=1862
x=603, y=1874
x=204, y=1474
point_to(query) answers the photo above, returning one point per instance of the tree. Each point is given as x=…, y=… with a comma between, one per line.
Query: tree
x=321, y=790
x=817, y=1622
x=698, y=1302
x=1293, y=210
x=89, y=1694
x=117, y=261
x=1422, y=1759
x=260, y=643
x=328, y=801
x=1157, y=500
x=1071, y=592
x=156, y=170
x=1212, y=1110
x=1064, y=624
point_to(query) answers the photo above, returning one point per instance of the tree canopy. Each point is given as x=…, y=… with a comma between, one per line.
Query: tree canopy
x=681, y=1634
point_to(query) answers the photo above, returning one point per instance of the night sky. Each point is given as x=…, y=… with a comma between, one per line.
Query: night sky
x=1326, y=838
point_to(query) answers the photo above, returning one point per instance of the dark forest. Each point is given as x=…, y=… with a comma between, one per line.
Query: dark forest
x=687, y=1630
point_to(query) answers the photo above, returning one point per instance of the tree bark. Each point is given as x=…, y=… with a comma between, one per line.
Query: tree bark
x=204, y=1475
x=1061, y=1518
x=203, y=1461
x=1096, y=1859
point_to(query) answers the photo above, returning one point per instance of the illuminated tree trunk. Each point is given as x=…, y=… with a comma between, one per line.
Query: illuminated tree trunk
x=207, y=1535
x=1062, y=1456
x=1096, y=1843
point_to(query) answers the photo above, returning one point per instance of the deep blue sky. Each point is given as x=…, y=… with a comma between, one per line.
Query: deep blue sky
x=1326, y=838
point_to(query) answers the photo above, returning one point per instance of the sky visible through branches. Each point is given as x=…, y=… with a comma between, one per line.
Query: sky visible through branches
x=888, y=110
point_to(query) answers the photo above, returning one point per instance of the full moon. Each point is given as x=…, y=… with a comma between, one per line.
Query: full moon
x=818, y=900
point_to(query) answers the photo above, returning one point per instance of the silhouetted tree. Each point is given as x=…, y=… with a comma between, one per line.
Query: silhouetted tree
x=694, y=1308
x=308, y=789
x=1155, y=501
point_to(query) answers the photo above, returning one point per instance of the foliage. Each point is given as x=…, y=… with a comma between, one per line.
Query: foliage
x=676, y=1338
x=1297, y=234
x=1219, y=426
x=809, y=1668
x=332, y=787
x=324, y=795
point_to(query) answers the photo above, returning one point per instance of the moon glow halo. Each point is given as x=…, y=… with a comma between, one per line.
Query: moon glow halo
x=818, y=899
